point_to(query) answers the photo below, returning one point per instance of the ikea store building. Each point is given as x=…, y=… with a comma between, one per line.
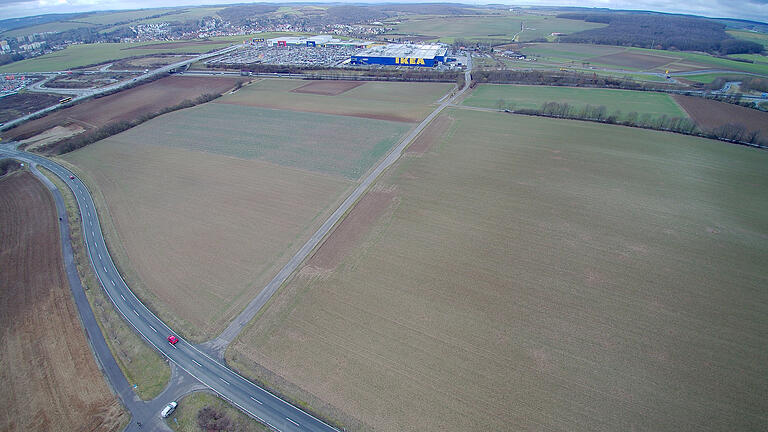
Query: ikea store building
x=399, y=54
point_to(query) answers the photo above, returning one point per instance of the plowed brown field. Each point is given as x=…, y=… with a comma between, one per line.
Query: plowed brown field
x=709, y=114
x=125, y=105
x=50, y=379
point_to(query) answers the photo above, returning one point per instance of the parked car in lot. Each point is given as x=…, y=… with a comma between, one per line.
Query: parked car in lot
x=168, y=409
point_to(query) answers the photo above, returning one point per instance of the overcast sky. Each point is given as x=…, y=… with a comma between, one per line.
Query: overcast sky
x=756, y=10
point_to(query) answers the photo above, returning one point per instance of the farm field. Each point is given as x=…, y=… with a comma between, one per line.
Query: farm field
x=125, y=105
x=404, y=102
x=76, y=56
x=633, y=59
x=532, y=97
x=199, y=234
x=50, y=378
x=336, y=145
x=709, y=114
x=501, y=277
x=760, y=38
x=241, y=190
x=448, y=29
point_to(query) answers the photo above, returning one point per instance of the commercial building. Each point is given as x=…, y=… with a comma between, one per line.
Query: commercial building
x=316, y=41
x=401, y=54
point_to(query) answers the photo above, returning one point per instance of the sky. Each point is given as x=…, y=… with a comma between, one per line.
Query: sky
x=756, y=10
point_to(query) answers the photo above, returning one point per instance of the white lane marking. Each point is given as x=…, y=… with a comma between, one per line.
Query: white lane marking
x=105, y=269
x=113, y=283
x=93, y=234
x=134, y=311
x=99, y=257
x=94, y=243
x=122, y=297
x=272, y=426
x=293, y=422
x=90, y=222
x=255, y=400
x=197, y=363
x=153, y=329
x=225, y=381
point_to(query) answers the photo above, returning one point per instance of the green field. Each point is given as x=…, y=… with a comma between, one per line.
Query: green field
x=58, y=26
x=75, y=56
x=330, y=144
x=567, y=54
x=447, y=29
x=760, y=38
x=203, y=206
x=708, y=78
x=532, y=97
x=405, y=102
x=537, y=274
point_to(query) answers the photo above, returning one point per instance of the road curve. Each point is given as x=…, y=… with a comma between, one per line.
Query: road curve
x=250, y=311
x=274, y=412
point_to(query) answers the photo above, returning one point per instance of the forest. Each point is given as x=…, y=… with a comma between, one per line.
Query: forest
x=659, y=31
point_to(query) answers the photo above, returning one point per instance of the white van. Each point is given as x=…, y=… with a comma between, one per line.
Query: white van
x=168, y=409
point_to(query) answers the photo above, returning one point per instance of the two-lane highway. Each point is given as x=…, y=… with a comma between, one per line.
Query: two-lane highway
x=259, y=403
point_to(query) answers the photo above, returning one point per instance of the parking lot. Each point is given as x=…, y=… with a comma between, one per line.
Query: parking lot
x=290, y=55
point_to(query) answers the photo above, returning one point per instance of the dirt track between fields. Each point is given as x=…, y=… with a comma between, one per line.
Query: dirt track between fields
x=51, y=381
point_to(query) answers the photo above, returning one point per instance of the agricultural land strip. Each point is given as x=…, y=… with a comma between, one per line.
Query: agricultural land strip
x=126, y=105
x=511, y=278
x=51, y=379
x=532, y=97
x=479, y=28
x=404, y=102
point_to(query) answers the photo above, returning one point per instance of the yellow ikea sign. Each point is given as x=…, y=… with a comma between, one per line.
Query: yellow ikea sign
x=409, y=61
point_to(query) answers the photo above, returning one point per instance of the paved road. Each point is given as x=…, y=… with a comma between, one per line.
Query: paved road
x=218, y=344
x=269, y=409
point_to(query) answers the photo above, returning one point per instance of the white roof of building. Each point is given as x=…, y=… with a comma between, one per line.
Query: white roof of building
x=404, y=50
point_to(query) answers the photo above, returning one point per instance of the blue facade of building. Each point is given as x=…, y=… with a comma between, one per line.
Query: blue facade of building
x=395, y=61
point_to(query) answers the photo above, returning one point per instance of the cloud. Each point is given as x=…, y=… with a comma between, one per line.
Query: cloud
x=756, y=10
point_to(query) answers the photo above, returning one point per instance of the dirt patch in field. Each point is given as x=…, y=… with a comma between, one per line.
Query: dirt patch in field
x=126, y=105
x=50, y=379
x=51, y=136
x=174, y=45
x=430, y=135
x=21, y=104
x=634, y=60
x=349, y=232
x=328, y=88
x=709, y=114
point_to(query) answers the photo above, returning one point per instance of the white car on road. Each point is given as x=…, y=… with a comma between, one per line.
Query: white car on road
x=168, y=409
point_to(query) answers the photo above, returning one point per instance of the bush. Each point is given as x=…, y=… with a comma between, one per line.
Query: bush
x=209, y=419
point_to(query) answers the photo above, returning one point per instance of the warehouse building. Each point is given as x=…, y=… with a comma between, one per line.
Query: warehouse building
x=398, y=54
x=316, y=41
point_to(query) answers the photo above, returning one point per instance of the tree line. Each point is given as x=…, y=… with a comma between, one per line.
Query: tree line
x=731, y=132
x=81, y=140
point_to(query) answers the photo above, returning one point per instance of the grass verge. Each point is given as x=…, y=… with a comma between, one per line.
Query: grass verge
x=141, y=364
x=185, y=419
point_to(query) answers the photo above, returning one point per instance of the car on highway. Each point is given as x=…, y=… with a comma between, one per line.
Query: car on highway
x=168, y=409
x=172, y=339
x=71, y=177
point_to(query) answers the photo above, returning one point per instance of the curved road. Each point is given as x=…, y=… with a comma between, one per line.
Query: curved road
x=257, y=402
